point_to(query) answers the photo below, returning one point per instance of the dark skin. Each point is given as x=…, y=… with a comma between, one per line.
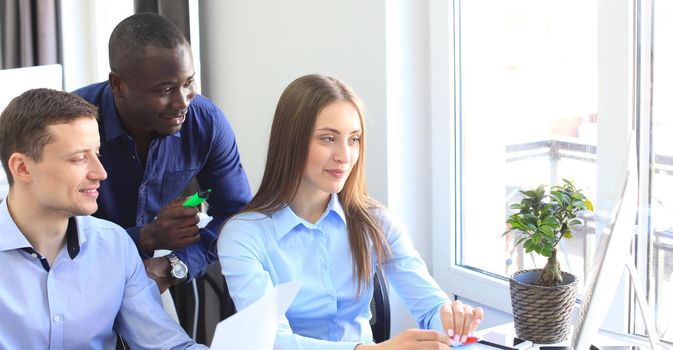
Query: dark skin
x=152, y=99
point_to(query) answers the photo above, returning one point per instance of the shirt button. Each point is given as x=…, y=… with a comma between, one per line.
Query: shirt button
x=34, y=255
x=56, y=318
x=324, y=266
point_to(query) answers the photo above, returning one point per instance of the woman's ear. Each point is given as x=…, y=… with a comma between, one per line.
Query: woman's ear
x=18, y=164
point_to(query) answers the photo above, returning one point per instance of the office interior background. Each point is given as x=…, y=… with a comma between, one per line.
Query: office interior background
x=467, y=101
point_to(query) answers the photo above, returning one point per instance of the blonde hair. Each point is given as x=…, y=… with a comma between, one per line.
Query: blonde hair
x=291, y=131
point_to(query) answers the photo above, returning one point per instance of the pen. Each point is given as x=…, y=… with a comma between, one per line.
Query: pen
x=197, y=198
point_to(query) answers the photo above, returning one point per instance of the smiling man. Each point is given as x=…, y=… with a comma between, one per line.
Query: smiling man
x=157, y=135
x=68, y=280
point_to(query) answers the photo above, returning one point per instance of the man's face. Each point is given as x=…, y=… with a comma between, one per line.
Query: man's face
x=155, y=94
x=67, y=178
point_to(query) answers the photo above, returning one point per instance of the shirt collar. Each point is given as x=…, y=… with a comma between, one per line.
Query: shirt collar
x=112, y=127
x=12, y=238
x=285, y=220
x=109, y=118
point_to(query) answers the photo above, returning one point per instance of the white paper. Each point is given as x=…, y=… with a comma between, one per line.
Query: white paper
x=255, y=327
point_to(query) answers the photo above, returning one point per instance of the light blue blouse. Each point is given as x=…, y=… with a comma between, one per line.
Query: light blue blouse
x=258, y=252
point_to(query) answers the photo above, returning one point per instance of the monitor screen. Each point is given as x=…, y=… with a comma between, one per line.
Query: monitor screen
x=612, y=252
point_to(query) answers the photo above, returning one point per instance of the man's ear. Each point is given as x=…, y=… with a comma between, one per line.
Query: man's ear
x=117, y=84
x=18, y=164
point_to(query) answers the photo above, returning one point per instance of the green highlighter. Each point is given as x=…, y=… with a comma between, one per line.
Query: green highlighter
x=197, y=198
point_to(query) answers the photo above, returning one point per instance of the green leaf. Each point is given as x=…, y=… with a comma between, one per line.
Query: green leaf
x=530, y=218
x=529, y=193
x=574, y=222
x=546, y=251
x=547, y=231
x=579, y=204
x=558, y=196
x=551, y=222
x=520, y=240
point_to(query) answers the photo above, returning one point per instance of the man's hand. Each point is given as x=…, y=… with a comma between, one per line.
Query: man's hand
x=416, y=339
x=460, y=320
x=174, y=228
x=159, y=269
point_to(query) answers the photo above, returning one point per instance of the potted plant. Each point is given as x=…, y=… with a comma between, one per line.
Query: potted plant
x=542, y=299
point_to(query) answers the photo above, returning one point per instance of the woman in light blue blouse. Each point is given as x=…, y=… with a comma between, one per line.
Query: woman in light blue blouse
x=312, y=221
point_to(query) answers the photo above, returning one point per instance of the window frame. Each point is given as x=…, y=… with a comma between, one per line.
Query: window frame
x=445, y=22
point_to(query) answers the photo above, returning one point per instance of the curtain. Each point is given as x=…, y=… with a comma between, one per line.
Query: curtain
x=29, y=33
x=177, y=11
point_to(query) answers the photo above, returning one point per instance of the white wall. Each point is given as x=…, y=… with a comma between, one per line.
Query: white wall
x=85, y=30
x=251, y=50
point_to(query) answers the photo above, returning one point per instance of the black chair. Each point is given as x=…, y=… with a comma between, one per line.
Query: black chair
x=219, y=304
x=380, y=307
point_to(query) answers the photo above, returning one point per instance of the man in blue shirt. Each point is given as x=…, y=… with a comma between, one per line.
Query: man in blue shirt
x=157, y=134
x=68, y=280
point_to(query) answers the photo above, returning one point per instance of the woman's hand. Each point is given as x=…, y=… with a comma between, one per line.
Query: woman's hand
x=417, y=339
x=460, y=320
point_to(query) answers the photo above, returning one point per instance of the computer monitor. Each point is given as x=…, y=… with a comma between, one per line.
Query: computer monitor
x=612, y=257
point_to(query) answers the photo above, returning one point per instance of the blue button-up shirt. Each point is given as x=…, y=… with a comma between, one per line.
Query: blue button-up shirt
x=96, y=285
x=257, y=252
x=204, y=148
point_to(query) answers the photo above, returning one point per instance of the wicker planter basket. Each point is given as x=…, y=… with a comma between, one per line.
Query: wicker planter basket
x=542, y=314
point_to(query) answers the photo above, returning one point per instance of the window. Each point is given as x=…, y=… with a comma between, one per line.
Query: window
x=528, y=117
x=541, y=91
x=659, y=229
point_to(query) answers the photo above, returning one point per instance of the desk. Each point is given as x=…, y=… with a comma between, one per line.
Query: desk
x=507, y=328
x=603, y=339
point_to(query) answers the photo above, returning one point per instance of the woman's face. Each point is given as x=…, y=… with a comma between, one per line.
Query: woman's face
x=333, y=151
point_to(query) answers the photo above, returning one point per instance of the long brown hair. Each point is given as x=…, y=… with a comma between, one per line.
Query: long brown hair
x=291, y=131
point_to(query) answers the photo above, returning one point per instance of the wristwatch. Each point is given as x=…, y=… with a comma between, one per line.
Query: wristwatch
x=179, y=270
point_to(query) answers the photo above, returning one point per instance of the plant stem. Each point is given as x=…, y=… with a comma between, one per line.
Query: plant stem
x=551, y=273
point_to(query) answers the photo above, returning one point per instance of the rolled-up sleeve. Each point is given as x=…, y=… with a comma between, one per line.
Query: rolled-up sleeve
x=142, y=320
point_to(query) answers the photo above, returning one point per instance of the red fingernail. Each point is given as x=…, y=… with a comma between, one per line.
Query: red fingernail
x=471, y=340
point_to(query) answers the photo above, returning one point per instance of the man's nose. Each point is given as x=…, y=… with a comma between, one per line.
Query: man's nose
x=182, y=97
x=97, y=171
